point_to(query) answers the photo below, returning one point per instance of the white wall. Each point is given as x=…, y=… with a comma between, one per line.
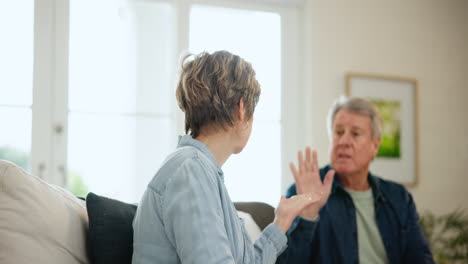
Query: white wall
x=422, y=39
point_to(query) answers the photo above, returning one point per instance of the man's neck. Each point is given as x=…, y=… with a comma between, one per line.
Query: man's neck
x=355, y=182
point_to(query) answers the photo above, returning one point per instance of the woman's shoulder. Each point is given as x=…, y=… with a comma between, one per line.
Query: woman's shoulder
x=187, y=157
x=183, y=163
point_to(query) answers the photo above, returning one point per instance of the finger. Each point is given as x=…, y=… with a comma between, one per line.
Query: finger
x=308, y=198
x=302, y=163
x=308, y=166
x=308, y=154
x=280, y=202
x=300, y=159
x=304, y=200
x=293, y=169
x=314, y=160
x=329, y=180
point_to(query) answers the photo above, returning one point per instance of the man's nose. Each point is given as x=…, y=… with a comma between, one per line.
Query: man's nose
x=345, y=139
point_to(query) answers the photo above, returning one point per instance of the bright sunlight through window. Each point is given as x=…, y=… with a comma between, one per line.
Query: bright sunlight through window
x=16, y=78
x=254, y=174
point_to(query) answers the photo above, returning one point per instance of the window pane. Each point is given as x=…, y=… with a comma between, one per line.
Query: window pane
x=255, y=36
x=255, y=166
x=111, y=154
x=121, y=96
x=16, y=52
x=121, y=56
x=15, y=135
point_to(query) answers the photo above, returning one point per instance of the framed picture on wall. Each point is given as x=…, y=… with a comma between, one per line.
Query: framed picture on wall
x=396, y=100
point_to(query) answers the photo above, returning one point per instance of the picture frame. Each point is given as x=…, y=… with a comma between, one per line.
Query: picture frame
x=396, y=98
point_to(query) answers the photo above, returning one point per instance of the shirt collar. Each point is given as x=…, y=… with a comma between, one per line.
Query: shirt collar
x=373, y=181
x=375, y=184
x=188, y=141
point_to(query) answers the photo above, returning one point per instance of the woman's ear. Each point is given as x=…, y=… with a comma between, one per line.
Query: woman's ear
x=242, y=114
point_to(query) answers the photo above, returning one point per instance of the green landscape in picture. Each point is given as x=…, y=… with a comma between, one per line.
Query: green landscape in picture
x=391, y=128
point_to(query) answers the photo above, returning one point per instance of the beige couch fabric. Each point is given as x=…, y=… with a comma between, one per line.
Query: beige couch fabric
x=39, y=222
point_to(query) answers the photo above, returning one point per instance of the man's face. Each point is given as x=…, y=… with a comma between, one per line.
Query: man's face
x=352, y=146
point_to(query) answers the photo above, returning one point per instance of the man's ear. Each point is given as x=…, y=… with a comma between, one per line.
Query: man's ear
x=377, y=142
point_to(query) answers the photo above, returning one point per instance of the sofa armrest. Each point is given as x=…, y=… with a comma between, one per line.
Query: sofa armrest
x=262, y=213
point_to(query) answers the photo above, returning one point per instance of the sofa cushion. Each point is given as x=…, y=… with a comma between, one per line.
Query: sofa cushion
x=262, y=213
x=110, y=230
x=39, y=222
x=110, y=235
x=253, y=230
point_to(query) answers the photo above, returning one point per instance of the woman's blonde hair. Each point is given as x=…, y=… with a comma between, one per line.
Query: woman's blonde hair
x=210, y=88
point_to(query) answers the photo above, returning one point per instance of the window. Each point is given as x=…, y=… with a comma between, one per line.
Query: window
x=16, y=63
x=89, y=98
x=255, y=36
x=121, y=120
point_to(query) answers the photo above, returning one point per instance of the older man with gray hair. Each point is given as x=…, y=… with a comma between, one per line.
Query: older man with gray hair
x=361, y=218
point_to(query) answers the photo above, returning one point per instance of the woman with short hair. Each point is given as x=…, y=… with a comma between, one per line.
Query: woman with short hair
x=185, y=214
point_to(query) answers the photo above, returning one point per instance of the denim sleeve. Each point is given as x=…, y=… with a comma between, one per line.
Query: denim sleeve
x=193, y=217
x=269, y=245
x=416, y=249
x=300, y=238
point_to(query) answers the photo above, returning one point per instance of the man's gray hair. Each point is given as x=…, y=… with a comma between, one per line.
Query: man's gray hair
x=358, y=106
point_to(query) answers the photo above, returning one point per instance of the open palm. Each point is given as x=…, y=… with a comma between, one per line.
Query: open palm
x=307, y=177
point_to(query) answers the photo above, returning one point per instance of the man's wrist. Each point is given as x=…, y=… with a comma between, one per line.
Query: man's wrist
x=310, y=219
x=309, y=213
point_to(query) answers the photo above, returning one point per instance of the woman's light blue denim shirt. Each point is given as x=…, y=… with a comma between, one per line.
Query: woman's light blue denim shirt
x=186, y=216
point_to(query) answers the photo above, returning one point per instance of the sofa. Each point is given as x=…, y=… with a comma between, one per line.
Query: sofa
x=43, y=223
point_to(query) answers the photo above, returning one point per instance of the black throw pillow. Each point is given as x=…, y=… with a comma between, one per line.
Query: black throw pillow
x=110, y=237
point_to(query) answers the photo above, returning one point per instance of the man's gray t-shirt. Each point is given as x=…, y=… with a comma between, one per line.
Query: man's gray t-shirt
x=371, y=247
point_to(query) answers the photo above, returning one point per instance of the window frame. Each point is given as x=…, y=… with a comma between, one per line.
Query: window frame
x=293, y=134
x=50, y=81
x=50, y=85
